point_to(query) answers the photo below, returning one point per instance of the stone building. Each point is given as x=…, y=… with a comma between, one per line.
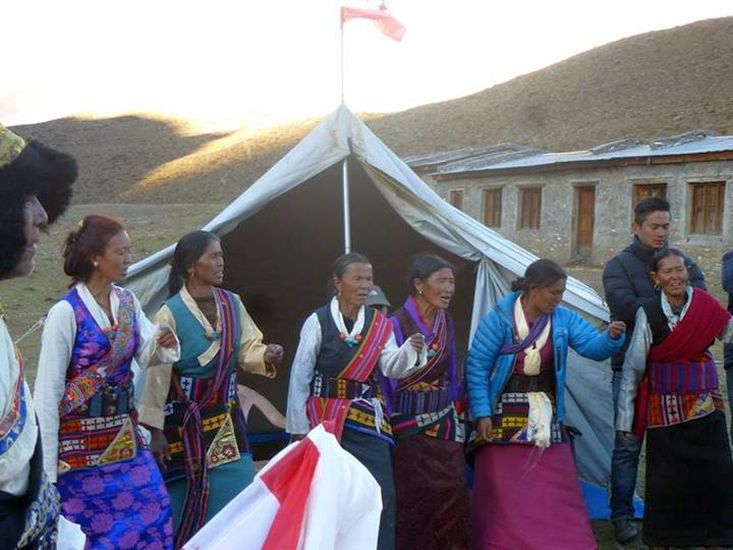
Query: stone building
x=577, y=206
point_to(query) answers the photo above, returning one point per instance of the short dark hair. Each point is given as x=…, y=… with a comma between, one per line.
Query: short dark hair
x=423, y=267
x=89, y=239
x=339, y=267
x=539, y=274
x=647, y=206
x=666, y=253
x=188, y=251
x=345, y=260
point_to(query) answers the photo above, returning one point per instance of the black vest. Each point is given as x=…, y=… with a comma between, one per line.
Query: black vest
x=658, y=322
x=335, y=353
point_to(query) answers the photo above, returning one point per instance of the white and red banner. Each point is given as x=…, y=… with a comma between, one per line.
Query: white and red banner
x=382, y=18
x=312, y=495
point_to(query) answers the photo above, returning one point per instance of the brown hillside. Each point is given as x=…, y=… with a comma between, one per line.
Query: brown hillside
x=654, y=84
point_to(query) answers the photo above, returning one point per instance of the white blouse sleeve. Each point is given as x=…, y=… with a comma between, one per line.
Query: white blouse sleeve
x=403, y=361
x=633, y=371
x=727, y=335
x=148, y=352
x=57, y=342
x=301, y=374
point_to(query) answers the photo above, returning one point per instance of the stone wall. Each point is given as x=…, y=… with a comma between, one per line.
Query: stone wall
x=613, y=208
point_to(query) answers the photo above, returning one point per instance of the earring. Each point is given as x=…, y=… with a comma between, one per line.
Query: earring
x=95, y=263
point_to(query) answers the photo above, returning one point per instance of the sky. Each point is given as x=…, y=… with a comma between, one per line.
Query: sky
x=259, y=62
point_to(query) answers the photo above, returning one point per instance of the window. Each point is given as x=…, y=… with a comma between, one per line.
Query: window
x=492, y=207
x=530, y=205
x=455, y=197
x=706, y=208
x=645, y=190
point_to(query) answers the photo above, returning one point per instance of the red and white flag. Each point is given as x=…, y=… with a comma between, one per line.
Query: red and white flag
x=382, y=18
x=312, y=496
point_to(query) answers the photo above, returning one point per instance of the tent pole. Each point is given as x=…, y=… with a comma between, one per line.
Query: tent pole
x=347, y=214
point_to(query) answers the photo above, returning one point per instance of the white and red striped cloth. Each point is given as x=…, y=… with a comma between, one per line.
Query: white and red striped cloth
x=312, y=495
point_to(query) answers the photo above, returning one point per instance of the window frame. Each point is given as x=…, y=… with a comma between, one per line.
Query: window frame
x=497, y=212
x=522, y=222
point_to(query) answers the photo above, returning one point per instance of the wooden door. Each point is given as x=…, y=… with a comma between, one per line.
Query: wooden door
x=585, y=214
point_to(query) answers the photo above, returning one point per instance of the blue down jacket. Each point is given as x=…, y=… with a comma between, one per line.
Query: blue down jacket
x=487, y=371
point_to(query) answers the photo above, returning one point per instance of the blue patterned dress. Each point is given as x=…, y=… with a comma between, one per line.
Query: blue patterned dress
x=109, y=483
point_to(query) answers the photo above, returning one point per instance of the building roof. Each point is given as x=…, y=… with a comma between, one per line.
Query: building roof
x=497, y=153
x=698, y=142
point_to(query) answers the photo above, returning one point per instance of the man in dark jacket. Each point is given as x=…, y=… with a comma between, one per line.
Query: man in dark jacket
x=627, y=285
x=726, y=276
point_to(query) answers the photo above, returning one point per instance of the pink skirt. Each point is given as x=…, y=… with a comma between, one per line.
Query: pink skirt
x=527, y=498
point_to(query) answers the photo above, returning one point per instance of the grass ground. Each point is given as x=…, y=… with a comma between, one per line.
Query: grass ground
x=152, y=227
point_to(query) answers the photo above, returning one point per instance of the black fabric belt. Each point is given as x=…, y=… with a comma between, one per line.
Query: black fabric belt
x=342, y=388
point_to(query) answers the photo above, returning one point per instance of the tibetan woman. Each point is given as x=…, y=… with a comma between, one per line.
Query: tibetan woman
x=347, y=351
x=526, y=492
x=198, y=429
x=670, y=391
x=430, y=476
x=109, y=483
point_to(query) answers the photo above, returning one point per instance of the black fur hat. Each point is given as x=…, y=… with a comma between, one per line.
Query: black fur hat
x=27, y=169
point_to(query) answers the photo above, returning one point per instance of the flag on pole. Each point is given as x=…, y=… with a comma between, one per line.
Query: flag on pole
x=312, y=496
x=382, y=18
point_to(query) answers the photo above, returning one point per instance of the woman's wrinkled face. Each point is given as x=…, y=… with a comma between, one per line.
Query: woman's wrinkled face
x=354, y=285
x=671, y=276
x=113, y=263
x=438, y=289
x=34, y=220
x=209, y=268
x=547, y=298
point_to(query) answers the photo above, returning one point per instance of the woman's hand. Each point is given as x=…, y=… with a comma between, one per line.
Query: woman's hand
x=159, y=446
x=484, y=427
x=624, y=435
x=616, y=329
x=417, y=341
x=273, y=354
x=166, y=338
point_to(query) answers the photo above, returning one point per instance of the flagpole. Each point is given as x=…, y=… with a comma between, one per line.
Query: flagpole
x=345, y=164
x=341, y=55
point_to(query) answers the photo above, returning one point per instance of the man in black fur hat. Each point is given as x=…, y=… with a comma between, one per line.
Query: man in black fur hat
x=35, y=188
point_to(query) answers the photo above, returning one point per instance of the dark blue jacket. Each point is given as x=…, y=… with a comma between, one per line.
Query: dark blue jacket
x=726, y=277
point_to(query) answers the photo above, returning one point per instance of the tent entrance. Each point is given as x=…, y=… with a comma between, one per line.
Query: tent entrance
x=279, y=261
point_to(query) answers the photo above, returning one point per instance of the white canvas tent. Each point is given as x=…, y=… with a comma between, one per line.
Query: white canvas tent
x=281, y=235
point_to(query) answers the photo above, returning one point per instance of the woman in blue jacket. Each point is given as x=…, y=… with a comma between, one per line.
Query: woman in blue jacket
x=526, y=490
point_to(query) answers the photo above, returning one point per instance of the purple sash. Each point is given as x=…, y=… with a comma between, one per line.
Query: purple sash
x=534, y=332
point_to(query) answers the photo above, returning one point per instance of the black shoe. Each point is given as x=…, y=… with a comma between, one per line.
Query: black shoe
x=625, y=530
